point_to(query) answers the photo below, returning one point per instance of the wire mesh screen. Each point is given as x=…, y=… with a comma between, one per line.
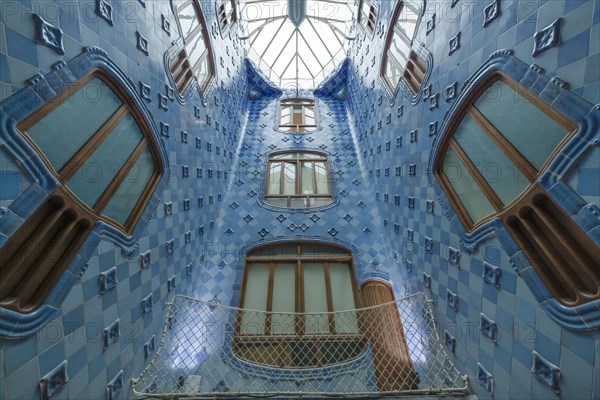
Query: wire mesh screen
x=211, y=350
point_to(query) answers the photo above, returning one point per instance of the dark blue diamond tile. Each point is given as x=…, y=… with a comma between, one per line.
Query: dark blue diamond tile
x=48, y=35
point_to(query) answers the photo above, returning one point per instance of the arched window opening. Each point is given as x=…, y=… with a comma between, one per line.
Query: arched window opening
x=400, y=60
x=195, y=58
x=292, y=287
x=298, y=116
x=298, y=180
x=101, y=151
x=489, y=166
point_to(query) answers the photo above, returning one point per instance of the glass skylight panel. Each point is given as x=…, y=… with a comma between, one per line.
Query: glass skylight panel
x=300, y=56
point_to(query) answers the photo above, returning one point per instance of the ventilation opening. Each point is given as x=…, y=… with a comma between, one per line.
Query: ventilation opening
x=562, y=254
x=35, y=257
x=182, y=71
x=414, y=72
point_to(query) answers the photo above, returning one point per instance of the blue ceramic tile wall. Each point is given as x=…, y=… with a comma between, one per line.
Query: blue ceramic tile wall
x=385, y=210
x=399, y=136
x=77, y=334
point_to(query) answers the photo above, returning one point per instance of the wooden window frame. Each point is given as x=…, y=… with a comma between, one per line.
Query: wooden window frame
x=226, y=21
x=415, y=70
x=371, y=21
x=88, y=149
x=35, y=257
x=298, y=182
x=268, y=338
x=301, y=126
x=518, y=160
x=563, y=255
x=180, y=66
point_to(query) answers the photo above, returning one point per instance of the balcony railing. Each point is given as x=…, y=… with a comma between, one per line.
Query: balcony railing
x=210, y=350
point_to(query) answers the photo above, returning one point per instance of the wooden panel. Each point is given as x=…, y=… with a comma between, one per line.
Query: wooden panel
x=563, y=255
x=383, y=329
x=35, y=257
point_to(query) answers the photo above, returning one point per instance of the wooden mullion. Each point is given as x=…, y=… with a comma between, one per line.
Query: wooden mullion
x=269, y=309
x=329, y=298
x=120, y=177
x=86, y=151
x=298, y=176
x=483, y=185
x=281, y=177
x=505, y=146
x=300, y=322
x=463, y=214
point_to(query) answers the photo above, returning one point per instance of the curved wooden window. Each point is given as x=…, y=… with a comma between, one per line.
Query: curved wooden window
x=195, y=59
x=367, y=15
x=500, y=144
x=298, y=278
x=400, y=60
x=298, y=116
x=101, y=151
x=298, y=180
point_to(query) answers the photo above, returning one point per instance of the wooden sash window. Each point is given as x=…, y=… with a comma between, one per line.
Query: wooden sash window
x=101, y=151
x=195, y=58
x=298, y=278
x=298, y=180
x=501, y=143
x=298, y=115
x=400, y=61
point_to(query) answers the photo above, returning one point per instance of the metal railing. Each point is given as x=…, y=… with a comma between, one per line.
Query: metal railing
x=211, y=350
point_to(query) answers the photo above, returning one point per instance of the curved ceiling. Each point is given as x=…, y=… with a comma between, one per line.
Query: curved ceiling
x=297, y=43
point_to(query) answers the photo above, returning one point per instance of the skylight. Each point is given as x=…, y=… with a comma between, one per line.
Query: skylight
x=297, y=43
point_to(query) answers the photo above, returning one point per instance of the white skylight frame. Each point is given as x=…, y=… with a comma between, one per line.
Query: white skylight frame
x=297, y=57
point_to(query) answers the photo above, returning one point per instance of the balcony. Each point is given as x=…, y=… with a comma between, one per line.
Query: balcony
x=210, y=350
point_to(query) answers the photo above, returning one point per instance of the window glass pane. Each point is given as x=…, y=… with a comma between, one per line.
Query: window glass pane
x=307, y=178
x=533, y=133
x=506, y=180
x=322, y=178
x=187, y=17
x=299, y=202
x=202, y=70
x=284, y=156
x=342, y=293
x=407, y=20
x=319, y=201
x=255, y=298
x=364, y=15
x=315, y=298
x=100, y=169
x=125, y=198
x=70, y=125
x=289, y=183
x=284, y=299
x=392, y=74
x=283, y=250
x=308, y=112
x=279, y=202
x=467, y=190
x=274, y=179
x=317, y=250
x=400, y=50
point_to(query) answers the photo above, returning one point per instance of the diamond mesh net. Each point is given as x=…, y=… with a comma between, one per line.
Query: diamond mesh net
x=210, y=350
